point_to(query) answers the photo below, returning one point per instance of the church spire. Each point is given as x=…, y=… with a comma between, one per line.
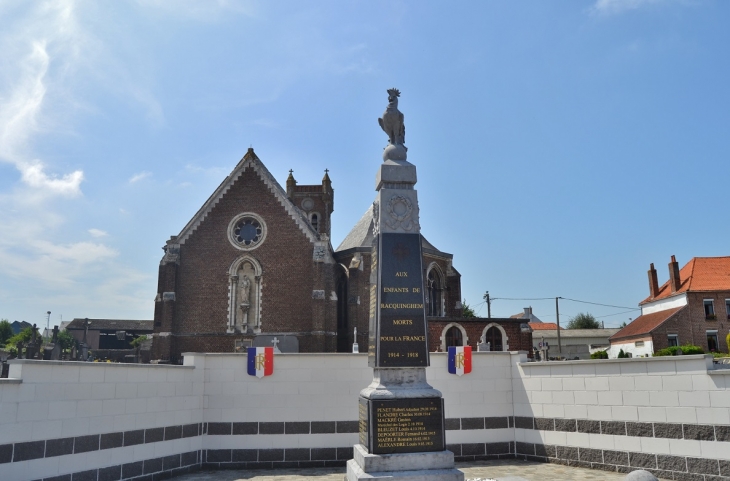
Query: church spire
x=326, y=182
x=290, y=184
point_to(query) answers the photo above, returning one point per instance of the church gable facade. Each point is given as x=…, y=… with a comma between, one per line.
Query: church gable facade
x=250, y=263
x=255, y=262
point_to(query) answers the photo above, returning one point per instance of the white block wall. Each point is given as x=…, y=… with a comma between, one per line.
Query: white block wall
x=658, y=390
x=68, y=399
x=49, y=400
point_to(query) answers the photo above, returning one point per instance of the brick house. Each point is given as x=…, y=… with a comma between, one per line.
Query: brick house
x=692, y=307
x=256, y=262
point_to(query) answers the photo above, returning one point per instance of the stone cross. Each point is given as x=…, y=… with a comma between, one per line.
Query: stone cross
x=276, y=342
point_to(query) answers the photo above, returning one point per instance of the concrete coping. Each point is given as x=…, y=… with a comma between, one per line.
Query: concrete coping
x=10, y=380
x=41, y=362
x=232, y=354
x=692, y=357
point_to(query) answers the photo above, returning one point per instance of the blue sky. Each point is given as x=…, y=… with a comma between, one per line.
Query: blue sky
x=561, y=146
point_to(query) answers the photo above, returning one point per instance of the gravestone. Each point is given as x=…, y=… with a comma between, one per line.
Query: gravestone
x=56, y=351
x=280, y=343
x=401, y=416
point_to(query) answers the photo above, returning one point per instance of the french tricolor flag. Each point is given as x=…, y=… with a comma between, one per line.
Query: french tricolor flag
x=260, y=361
x=460, y=360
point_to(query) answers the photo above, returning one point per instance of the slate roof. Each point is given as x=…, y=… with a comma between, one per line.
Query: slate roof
x=113, y=324
x=646, y=323
x=699, y=274
x=361, y=236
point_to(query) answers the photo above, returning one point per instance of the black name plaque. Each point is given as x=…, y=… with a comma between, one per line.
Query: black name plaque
x=402, y=425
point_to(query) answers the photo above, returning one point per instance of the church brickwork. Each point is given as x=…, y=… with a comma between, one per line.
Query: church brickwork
x=197, y=319
x=215, y=291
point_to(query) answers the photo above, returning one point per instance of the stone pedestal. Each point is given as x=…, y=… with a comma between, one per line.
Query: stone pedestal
x=402, y=434
x=410, y=466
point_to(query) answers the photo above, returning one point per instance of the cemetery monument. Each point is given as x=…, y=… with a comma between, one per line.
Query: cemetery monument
x=401, y=415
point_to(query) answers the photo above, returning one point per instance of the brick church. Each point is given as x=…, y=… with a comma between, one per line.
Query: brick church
x=256, y=263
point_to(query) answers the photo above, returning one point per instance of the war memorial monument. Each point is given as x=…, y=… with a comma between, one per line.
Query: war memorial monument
x=401, y=415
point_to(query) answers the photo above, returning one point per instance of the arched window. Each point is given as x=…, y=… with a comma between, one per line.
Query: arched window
x=494, y=338
x=315, y=222
x=453, y=337
x=435, y=293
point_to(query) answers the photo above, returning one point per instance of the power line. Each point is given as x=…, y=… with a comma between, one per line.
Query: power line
x=523, y=298
x=599, y=304
x=618, y=313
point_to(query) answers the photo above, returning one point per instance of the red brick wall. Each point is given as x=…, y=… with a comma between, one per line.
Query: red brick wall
x=700, y=325
x=516, y=340
x=289, y=277
x=678, y=324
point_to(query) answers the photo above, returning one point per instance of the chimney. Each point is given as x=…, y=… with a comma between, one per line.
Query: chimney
x=674, y=281
x=653, y=282
x=528, y=312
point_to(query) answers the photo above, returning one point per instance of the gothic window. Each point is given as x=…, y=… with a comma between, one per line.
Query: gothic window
x=315, y=222
x=435, y=293
x=453, y=337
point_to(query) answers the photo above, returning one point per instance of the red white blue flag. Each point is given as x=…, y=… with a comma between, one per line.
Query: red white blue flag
x=460, y=360
x=260, y=361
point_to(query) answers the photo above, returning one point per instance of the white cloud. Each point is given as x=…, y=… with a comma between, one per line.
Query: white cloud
x=613, y=7
x=22, y=110
x=139, y=176
x=97, y=233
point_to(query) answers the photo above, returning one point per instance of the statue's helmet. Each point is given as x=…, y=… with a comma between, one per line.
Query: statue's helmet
x=393, y=95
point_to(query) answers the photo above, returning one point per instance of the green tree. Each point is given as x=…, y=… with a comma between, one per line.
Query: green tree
x=584, y=321
x=66, y=340
x=6, y=331
x=623, y=324
x=466, y=310
x=23, y=336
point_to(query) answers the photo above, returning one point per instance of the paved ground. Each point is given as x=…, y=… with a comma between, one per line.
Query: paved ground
x=476, y=470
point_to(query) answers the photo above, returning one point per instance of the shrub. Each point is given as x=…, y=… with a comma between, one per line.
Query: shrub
x=599, y=355
x=621, y=354
x=686, y=349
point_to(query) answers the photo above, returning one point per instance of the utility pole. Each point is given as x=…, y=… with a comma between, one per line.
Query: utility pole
x=557, y=318
x=489, y=305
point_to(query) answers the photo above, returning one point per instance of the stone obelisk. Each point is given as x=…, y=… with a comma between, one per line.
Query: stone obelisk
x=401, y=415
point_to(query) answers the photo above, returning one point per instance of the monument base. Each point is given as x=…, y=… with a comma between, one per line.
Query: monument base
x=433, y=466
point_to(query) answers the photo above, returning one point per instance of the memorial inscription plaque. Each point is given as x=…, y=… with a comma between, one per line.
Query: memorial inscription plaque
x=400, y=330
x=402, y=425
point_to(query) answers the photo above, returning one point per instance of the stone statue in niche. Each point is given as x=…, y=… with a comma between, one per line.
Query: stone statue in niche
x=244, y=296
x=244, y=299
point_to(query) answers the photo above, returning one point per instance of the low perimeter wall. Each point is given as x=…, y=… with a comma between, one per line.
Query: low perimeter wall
x=98, y=421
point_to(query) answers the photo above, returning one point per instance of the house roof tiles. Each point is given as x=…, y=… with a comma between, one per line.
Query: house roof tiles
x=544, y=326
x=645, y=324
x=699, y=274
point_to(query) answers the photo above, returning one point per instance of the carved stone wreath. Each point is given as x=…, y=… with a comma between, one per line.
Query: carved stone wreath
x=399, y=209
